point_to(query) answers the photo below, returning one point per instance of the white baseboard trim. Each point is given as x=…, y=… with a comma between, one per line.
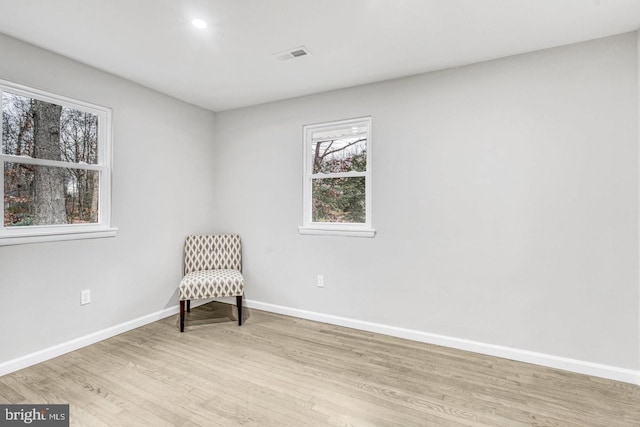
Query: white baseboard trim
x=547, y=360
x=66, y=347
x=572, y=365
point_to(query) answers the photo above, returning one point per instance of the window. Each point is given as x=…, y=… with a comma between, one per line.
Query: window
x=337, y=178
x=55, y=159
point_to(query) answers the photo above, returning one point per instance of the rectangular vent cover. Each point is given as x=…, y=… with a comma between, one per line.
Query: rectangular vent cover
x=296, y=52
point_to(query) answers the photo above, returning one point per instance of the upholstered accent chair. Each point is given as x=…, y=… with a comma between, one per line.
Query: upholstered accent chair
x=212, y=269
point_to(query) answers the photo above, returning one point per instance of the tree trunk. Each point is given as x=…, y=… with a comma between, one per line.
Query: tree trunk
x=95, y=196
x=48, y=181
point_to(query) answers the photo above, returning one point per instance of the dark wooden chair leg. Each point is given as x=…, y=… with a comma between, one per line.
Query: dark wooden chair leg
x=239, y=304
x=188, y=306
x=181, y=316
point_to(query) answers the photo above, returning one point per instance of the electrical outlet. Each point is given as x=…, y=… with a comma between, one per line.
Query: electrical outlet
x=320, y=281
x=85, y=297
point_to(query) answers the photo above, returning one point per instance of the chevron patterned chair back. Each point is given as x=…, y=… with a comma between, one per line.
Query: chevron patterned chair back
x=212, y=252
x=212, y=269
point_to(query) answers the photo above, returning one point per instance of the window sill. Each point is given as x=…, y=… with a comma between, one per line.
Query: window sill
x=55, y=236
x=335, y=231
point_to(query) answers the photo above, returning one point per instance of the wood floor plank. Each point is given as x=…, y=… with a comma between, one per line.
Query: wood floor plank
x=281, y=371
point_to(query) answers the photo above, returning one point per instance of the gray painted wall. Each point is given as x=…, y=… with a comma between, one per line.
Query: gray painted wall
x=162, y=191
x=505, y=199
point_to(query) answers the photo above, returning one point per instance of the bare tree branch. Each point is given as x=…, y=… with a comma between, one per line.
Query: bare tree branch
x=342, y=148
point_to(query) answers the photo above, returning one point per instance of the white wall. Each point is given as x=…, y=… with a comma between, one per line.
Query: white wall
x=505, y=199
x=161, y=191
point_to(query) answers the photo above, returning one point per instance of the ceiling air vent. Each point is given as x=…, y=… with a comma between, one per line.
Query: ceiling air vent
x=296, y=52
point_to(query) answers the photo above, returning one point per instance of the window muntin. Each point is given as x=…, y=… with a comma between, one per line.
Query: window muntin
x=337, y=178
x=55, y=157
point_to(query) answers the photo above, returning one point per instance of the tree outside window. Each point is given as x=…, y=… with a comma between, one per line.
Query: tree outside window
x=337, y=187
x=55, y=160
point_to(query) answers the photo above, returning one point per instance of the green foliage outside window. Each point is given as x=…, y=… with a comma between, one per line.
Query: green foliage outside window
x=339, y=200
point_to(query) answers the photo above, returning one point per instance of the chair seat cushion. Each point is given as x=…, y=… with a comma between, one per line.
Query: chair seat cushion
x=211, y=284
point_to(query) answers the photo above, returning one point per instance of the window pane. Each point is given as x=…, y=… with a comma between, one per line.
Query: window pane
x=43, y=195
x=39, y=129
x=338, y=200
x=341, y=150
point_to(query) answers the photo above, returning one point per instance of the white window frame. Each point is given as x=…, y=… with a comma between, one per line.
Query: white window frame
x=331, y=228
x=44, y=233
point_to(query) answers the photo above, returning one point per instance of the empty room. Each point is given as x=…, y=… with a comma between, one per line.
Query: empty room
x=320, y=212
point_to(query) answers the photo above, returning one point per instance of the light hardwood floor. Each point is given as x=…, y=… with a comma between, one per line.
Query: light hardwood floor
x=282, y=371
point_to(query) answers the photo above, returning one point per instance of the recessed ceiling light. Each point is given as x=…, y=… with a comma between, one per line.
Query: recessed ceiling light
x=199, y=23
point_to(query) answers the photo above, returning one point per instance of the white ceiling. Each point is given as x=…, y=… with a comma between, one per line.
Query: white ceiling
x=230, y=64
